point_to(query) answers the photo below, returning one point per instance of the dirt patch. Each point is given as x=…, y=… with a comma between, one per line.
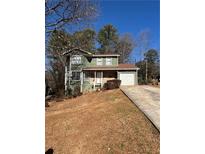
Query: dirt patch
x=100, y=122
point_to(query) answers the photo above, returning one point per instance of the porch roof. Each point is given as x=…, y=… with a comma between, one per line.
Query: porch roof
x=105, y=55
x=119, y=67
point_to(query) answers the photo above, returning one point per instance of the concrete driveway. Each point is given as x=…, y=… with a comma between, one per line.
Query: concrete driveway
x=147, y=99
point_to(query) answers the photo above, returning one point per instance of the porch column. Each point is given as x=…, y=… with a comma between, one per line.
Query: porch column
x=70, y=73
x=66, y=78
x=81, y=82
x=94, y=79
x=101, y=79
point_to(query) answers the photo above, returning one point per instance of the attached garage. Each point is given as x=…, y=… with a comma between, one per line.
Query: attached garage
x=128, y=78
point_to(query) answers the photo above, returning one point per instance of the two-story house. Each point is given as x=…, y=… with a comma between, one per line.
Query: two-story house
x=91, y=71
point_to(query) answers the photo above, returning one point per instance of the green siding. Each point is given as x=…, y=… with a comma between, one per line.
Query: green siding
x=93, y=62
x=85, y=63
x=87, y=86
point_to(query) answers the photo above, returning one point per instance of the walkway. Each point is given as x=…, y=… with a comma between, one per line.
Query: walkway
x=147, y=99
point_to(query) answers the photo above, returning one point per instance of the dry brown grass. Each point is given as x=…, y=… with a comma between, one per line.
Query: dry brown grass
x=99, y=122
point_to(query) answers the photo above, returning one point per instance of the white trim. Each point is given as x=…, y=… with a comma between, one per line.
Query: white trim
x=98, y=63
x=108, y=60
x=77, y=70
x=81, y=82
x=101, y=79
x=94, y=79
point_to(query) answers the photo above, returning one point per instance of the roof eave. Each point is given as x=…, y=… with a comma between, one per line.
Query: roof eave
x=105, y=55
x=110, y=69
x=69, y=51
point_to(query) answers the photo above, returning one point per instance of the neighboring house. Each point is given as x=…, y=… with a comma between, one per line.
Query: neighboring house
x=90, y=71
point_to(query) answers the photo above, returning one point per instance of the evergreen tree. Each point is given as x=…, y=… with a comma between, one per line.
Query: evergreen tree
x=108, y=39
x=85, y=39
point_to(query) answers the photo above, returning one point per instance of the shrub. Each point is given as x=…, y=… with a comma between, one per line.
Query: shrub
x=142, y=81
x=105, y=86
x=76, y=91
x=69, y=92
x=113, y=84
x=154, y=82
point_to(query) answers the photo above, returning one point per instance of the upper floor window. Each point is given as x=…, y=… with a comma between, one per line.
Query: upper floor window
x=108, y=61
x=99, y=61
x=76, y=59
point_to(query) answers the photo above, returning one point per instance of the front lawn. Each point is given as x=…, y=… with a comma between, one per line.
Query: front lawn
x=99, y=122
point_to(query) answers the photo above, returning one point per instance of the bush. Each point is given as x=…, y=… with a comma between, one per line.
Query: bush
x=69, y=92
x=105, y=86
x=76, y=91
x=113, y=84
x=73, y=91
x=154, y=82
x=142, y=81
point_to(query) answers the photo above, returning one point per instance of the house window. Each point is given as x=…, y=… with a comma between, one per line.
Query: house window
x=99, y=61
x=76, y=59
x=88, y=75
x=108, y=61
x=75, y=75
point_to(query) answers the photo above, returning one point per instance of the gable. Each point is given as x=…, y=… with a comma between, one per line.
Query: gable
x=77, y=51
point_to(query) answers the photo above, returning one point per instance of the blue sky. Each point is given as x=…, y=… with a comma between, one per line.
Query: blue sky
x=132, y=17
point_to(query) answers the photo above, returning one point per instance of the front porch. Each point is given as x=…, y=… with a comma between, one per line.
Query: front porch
x=95, y=79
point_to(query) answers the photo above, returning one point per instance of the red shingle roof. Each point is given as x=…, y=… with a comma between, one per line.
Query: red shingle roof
x=126, y=66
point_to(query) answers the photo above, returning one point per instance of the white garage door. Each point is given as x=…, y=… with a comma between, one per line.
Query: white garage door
x=127, y=78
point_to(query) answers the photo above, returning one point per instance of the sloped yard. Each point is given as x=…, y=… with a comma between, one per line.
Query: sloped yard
x=100, y=122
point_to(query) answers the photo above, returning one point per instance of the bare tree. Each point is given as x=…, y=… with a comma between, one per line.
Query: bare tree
x=61, y=14
x=124, y=47
x=143, y=43
x=64, y=12
x=59, y=42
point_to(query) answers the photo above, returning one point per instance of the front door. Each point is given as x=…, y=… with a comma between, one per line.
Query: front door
x=98, y=77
